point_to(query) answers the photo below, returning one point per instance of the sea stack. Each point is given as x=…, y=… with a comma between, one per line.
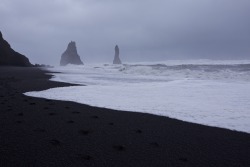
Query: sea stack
x=117, y=58
x=9, y=57
x=70, y=56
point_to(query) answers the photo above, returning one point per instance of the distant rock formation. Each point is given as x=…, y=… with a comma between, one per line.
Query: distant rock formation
x=117, y=58
x=70, y=56
x=9, y=57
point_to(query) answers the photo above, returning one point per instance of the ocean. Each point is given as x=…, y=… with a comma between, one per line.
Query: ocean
x=208, y=92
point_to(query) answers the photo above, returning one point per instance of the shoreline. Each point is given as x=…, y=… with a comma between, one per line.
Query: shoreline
x=42, y=132
x=207, y=100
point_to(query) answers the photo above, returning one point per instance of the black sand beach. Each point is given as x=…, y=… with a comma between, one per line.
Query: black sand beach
x=39, y=132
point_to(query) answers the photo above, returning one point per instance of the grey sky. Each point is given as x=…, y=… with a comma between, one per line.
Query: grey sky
x=145, y=30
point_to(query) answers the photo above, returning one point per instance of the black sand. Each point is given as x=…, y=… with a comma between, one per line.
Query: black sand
x=40, y=132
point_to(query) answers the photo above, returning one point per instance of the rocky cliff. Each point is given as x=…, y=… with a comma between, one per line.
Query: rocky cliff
x=9, y=57
x=70, y=56
x=117, y=58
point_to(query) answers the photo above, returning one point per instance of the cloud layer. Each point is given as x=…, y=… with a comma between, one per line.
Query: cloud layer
x=144, y=29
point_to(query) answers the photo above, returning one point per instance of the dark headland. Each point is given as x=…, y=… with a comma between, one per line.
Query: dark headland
x=9, y=57
x=40, y=132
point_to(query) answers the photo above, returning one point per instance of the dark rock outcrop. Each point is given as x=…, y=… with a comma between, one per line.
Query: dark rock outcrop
x=70, y=56
x=117, y=58
x=9, y=57
x=43, y=65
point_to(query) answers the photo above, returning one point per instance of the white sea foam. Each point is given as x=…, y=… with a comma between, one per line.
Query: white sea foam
x=204, y=92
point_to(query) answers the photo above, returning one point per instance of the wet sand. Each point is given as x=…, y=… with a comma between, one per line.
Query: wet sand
x=41, y=132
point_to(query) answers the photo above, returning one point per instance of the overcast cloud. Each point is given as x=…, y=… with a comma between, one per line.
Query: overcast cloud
x=145, y=30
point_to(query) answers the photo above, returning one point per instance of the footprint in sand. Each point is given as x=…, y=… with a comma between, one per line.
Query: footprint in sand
x=85, y=132
x=119, y=147
x=20, y=114
x=95, y=117
x=154, y=144
x=75, y=112
x=84, y=157
x=39, y=130
x=70, y=121
x=19, y=122
x=55, y=142
x=138, y=131
x=183, y=159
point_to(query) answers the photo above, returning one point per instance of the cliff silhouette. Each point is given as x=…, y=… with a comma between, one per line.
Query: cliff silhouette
x=9, y=57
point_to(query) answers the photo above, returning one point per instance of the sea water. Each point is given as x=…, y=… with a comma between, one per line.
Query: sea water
x=214, y=93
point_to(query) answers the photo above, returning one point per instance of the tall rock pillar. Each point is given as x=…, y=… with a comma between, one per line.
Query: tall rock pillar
x=117, y=58
x=70, y=56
